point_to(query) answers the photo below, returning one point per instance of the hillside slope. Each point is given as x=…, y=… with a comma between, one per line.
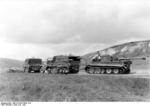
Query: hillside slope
x=131, y=49
x=136, y=49
x=6, y=63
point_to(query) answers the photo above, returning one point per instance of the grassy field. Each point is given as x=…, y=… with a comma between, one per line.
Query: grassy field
x=44, y=87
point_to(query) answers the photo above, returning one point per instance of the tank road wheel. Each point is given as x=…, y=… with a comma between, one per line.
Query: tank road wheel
x=128, y=71
x=54, y=71
x=108, y=71
x=116, y=71
x=95, y=71
x=98, y=71
x=122, y=71
x=87, y=69
x=91, y=70
x=102, y=71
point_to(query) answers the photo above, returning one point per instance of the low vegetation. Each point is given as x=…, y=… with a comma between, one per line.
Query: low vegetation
x=45, y=87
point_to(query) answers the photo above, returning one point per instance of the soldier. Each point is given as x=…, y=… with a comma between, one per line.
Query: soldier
x=97, y=57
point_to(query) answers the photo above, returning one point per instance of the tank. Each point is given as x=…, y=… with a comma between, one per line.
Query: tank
x=32, y=65
x=107, y=64
x=63, y=65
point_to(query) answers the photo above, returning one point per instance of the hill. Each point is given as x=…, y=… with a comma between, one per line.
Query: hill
x=131, y=49
x=6, y=63
x=136, y=49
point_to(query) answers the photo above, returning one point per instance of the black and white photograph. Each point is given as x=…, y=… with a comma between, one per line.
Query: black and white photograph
x=74, y=51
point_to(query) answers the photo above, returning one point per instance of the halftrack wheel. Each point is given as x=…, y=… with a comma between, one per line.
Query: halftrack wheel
x=54, y=71
x=63, y=71
x=26, y=70
x=66, y=71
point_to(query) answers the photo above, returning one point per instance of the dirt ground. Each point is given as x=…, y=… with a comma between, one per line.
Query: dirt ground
x=81, y=87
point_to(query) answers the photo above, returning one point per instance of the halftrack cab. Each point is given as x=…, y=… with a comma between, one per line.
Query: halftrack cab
x=33, y=65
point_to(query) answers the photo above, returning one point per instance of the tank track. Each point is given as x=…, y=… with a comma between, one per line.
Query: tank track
x=106, y=70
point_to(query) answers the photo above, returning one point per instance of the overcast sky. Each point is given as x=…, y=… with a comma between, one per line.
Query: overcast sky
x=44, y=28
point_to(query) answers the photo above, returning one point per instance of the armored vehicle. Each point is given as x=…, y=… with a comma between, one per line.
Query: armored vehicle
x=63, y=65
x=33, y=65
x=107, y=64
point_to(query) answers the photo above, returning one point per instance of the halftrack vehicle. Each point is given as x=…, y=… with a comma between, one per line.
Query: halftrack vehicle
x=107, y=64
x=33, y=65
x=63, y=65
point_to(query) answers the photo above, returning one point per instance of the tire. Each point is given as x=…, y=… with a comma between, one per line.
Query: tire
x=26, y=70
x=116, y=71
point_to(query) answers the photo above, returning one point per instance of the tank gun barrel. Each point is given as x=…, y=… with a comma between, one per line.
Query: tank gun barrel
x=133, y=58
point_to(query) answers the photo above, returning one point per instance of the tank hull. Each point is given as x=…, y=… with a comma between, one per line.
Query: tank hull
x=95, y=69
x=108, y=65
